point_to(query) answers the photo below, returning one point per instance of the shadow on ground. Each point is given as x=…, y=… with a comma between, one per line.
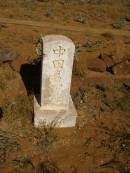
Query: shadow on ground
x=31, y=75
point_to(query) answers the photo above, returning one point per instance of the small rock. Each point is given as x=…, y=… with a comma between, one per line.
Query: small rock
x=105, y=108
x=97, y=65
x=121, y=68
x=102, y=157
x=107, y=59
x=128, y=17
x=127, y=85
x=3, y=26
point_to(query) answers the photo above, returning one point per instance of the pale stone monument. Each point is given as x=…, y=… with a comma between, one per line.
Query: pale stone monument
x=55, y=103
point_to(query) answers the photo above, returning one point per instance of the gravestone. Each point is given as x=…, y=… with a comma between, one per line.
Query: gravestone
x=55, y=103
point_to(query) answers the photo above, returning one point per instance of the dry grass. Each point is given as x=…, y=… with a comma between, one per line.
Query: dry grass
x=18, y=109
x=48, y=167
x=45, y=136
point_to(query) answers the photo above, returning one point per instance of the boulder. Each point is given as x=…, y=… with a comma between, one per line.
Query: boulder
x=121, y=68
x=97, y=65
x=108, y=59
x=11, y=84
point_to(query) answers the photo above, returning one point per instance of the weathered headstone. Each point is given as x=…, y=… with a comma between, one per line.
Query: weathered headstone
x=55, y=103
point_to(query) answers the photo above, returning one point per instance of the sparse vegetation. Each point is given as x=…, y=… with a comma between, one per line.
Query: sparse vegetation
x=18, y=109
x=45, y=136
x=128, y=2
x=113, y=97
x=77, y=51
x=99, y=143
x=48, y=167
x=8, y=143
x=49, y=12
x=81, y=18
x=24, y=163
x=120, y=23
x=93, y=44
x=82, y=1
x=93, y=1
x=2, y=85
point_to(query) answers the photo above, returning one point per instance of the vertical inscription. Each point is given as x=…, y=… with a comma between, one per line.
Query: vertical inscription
x=58, y=65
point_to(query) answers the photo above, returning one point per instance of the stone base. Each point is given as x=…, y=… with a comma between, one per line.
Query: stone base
x=52, y=117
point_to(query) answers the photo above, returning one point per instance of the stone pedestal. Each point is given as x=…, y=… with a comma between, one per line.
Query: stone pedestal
x=60, y=118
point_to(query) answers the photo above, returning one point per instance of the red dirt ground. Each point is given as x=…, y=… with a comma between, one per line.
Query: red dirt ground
x=100, y=142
